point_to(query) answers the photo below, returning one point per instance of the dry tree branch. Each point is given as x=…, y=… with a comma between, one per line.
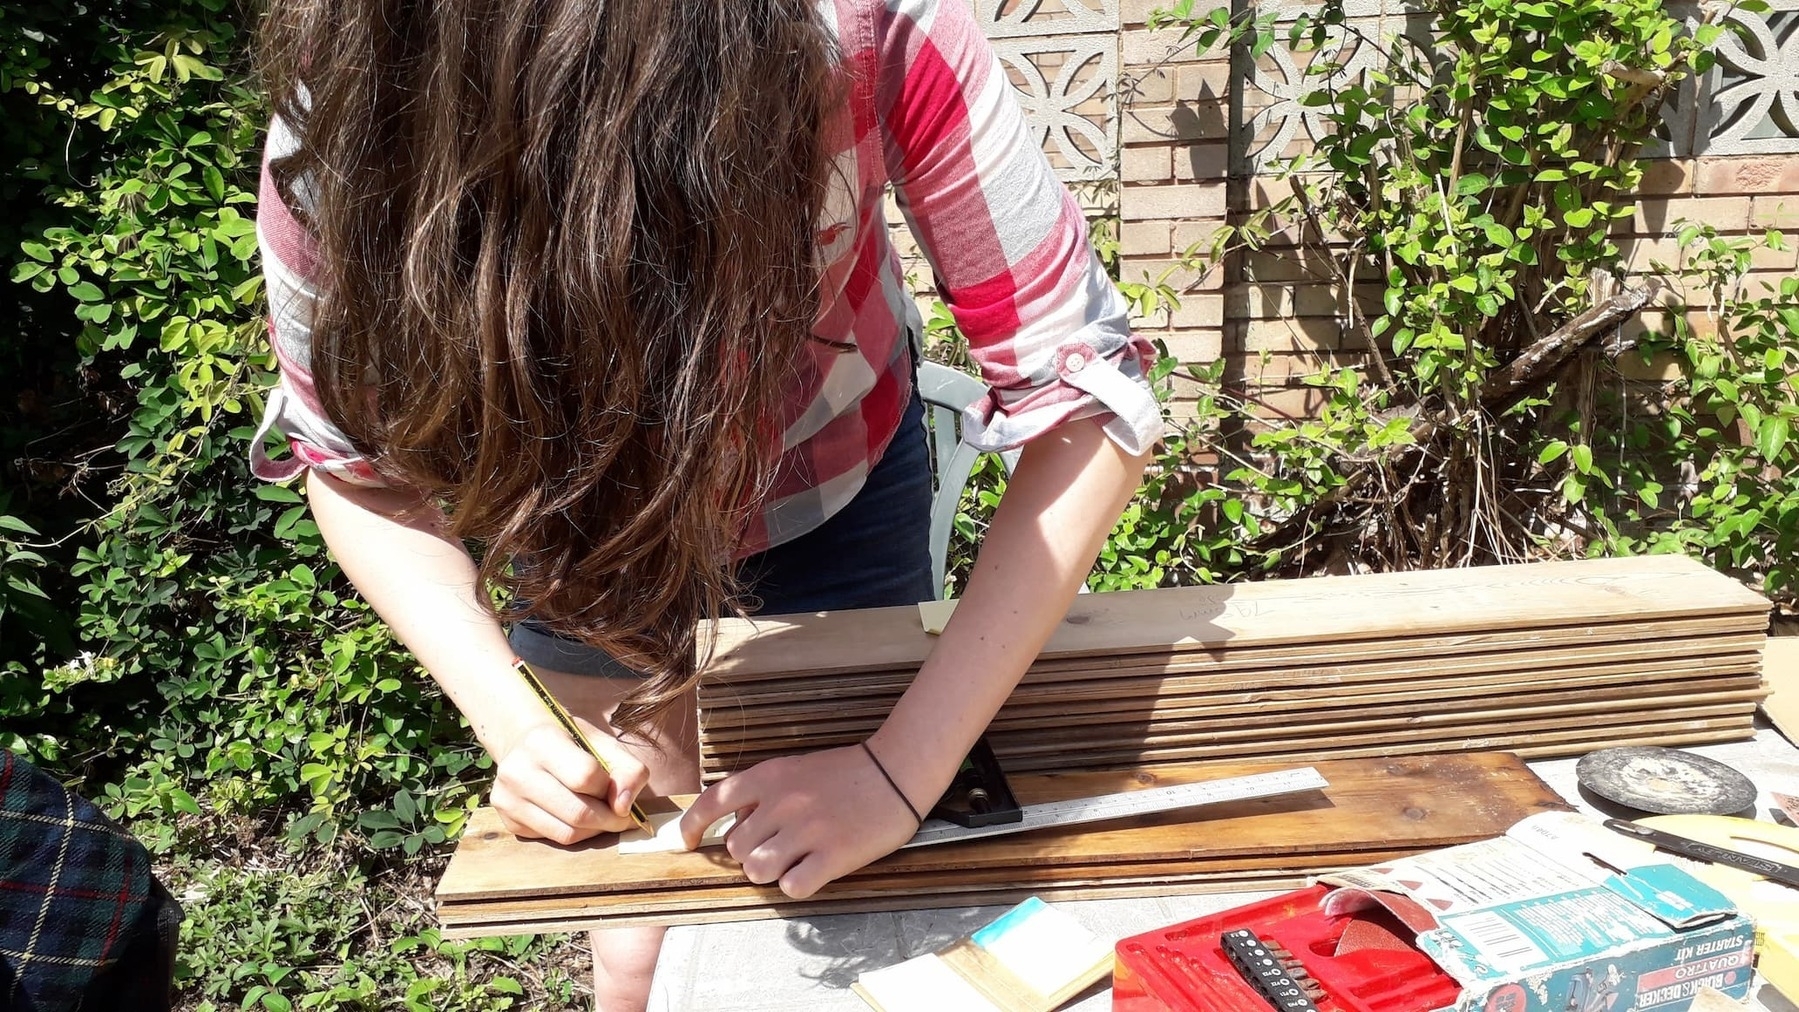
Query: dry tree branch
x=1553, y=348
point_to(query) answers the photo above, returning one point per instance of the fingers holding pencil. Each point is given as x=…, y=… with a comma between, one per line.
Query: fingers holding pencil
x=604, y=749
x=567, y=779
x=548, y=786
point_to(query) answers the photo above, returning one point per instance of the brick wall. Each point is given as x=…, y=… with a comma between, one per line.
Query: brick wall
x=1275, y=317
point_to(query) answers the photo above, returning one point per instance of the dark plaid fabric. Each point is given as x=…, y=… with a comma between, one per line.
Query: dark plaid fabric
x=84, y=927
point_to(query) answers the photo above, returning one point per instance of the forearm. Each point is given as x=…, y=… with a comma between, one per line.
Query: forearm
x=1062, y=502
x=396, y=549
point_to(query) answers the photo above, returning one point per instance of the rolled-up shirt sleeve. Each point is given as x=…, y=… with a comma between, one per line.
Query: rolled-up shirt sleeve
x=1046, y=325
x=289, y=267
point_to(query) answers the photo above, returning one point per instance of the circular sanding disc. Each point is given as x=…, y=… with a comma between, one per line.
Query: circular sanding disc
x=1665, y=781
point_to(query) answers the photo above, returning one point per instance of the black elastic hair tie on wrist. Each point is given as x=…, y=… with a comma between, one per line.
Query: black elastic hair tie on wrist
x=889, y=778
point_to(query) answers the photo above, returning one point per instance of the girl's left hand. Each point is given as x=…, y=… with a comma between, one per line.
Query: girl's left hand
x=804, y=821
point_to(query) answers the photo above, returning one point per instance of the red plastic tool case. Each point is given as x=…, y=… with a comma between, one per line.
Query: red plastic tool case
x=1183, y=969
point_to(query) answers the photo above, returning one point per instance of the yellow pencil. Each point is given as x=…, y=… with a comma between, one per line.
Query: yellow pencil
x=574, y=730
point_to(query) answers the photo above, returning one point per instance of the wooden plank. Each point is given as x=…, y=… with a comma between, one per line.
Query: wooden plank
x=1181, y=698
x=1540, y=744
x=1353, y=726
x=1074, y=745
x=477, y=928
x=1781, y=666
x=944, y=885
x=1342, y=661
x=1319, y=717
x=1722, y=674
x=857, y=694
x=1595, y=635
x=1414, y=801
x=1393, y=806
x=1327, y=609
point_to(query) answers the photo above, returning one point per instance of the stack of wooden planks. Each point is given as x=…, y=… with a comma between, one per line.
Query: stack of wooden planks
x=1373, y=810
x=1545, y=659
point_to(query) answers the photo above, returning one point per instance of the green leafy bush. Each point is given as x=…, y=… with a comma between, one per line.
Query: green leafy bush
x=1473, y=177
x=194, y=662
x=1709, y=466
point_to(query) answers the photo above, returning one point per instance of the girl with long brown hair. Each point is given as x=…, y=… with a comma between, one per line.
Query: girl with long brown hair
x=604, y=289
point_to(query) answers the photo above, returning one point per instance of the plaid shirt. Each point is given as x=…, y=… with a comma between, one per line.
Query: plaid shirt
x=83, y=925
x=932, y=113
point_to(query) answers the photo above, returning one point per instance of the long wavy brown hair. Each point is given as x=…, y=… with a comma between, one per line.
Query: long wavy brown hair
x=568, y=260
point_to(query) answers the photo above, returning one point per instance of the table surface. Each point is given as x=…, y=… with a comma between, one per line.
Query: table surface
x=809, y=963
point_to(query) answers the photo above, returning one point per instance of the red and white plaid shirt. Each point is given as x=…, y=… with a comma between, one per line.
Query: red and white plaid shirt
x=932, y=113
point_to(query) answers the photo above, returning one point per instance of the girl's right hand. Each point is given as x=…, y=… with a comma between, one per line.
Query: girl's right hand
x=548, y=787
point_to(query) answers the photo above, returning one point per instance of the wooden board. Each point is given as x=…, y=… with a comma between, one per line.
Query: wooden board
x=1075, y=748
x=475, y=927
x=1177, y=701
x=1532, y=745
x=1323, y=609
x=1781, y=667
x=1339, y=663
x=1593, y=635
x=1373, y=806
x=1241, y=725
x=679, y=902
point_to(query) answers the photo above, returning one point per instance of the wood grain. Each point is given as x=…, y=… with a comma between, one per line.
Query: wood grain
x=1372, y=807
x=1342, y=663
x=1322, y=609
x=1174, y=699
x=585, y=919
x=1539, y=657
x=1532, y=745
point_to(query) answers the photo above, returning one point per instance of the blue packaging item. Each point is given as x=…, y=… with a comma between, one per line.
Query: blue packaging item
x=1564, y=915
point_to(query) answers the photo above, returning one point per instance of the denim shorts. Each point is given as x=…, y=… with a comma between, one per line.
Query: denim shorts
x=875, y=552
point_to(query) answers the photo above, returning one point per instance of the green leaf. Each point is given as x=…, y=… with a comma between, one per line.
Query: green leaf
x=37, y=251
x=377, y=820
x=1582, y=456
x=12, y=523
x=1771, y=438
x=1573, y=488
x=1552, y=452
x=87, y=291
x=1580, y=217
x=184, y=802
x=1473, y=182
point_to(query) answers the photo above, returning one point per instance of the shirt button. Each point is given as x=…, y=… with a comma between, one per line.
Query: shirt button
x=1075, y=362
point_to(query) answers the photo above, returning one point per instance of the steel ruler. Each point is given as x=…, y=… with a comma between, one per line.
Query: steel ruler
x=1076, y=811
